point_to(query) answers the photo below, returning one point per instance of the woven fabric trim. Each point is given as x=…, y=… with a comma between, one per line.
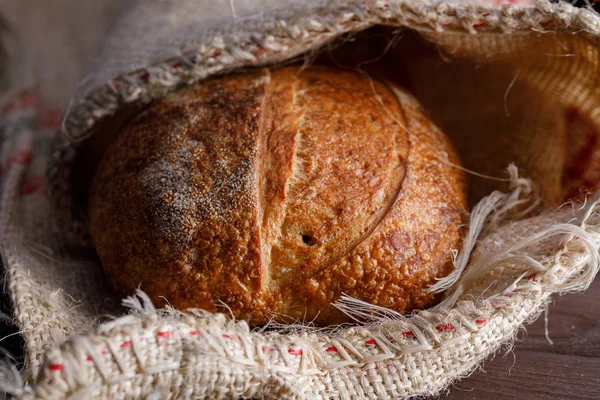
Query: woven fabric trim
x=281, y=40
x=361, y=363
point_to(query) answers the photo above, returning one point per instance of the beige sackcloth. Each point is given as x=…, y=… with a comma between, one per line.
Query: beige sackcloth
x=509, y=81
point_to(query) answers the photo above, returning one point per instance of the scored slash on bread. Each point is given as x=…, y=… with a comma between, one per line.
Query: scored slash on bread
x=274, y=192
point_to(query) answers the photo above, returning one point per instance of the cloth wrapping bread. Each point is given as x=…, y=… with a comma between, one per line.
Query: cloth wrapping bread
x=502, y=282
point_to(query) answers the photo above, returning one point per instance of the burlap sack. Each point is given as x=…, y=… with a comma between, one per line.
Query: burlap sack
x=509, y=81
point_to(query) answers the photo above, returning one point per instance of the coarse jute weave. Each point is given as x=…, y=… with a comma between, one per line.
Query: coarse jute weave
x=510, y=81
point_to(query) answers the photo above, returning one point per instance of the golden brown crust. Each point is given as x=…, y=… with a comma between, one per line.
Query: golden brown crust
x=275, y=192
x=411, y=246
x=173, y=204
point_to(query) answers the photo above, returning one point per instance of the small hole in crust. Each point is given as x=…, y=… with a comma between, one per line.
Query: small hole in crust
x=309, y=240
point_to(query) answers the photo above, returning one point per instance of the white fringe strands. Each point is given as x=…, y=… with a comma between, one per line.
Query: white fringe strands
x=490, y=209
x=504, y=276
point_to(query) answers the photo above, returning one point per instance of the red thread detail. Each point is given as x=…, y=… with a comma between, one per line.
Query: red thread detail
x=29, y=99
x=164, y=334
x=89, y=358
x=104, y=352
x=295, y=352
x=480, y=321
x=408, y=334
x=266, y=349
x=126, y=344
x=145, y=76
x=56, y=367
x=117, y=86
x=176, y=65
x=331, y=349
x=479, y=25
x=226, y=336
x=216, y=53
x=22, y=157
x=530, y=277
x=195, y=333
x=32, y=185
x=545, y=23
x=444, y=328
x=50, y=119
x=371, y=342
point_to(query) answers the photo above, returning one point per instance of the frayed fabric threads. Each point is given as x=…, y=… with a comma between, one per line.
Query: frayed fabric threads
x=490, y=209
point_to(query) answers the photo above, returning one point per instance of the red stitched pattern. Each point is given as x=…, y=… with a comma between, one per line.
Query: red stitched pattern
x=498, y=3
x=226, y=336
x=56, y=367
x=267, y=349
x=27, y=99
x=22, y=157
x=50, y=119
x=331, y=349
x=444, y=328
x=31, y=185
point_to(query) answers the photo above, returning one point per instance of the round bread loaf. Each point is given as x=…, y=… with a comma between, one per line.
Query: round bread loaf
x=275, y=192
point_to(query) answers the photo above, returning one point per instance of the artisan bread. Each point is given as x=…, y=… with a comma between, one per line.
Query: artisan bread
x=274, y=192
